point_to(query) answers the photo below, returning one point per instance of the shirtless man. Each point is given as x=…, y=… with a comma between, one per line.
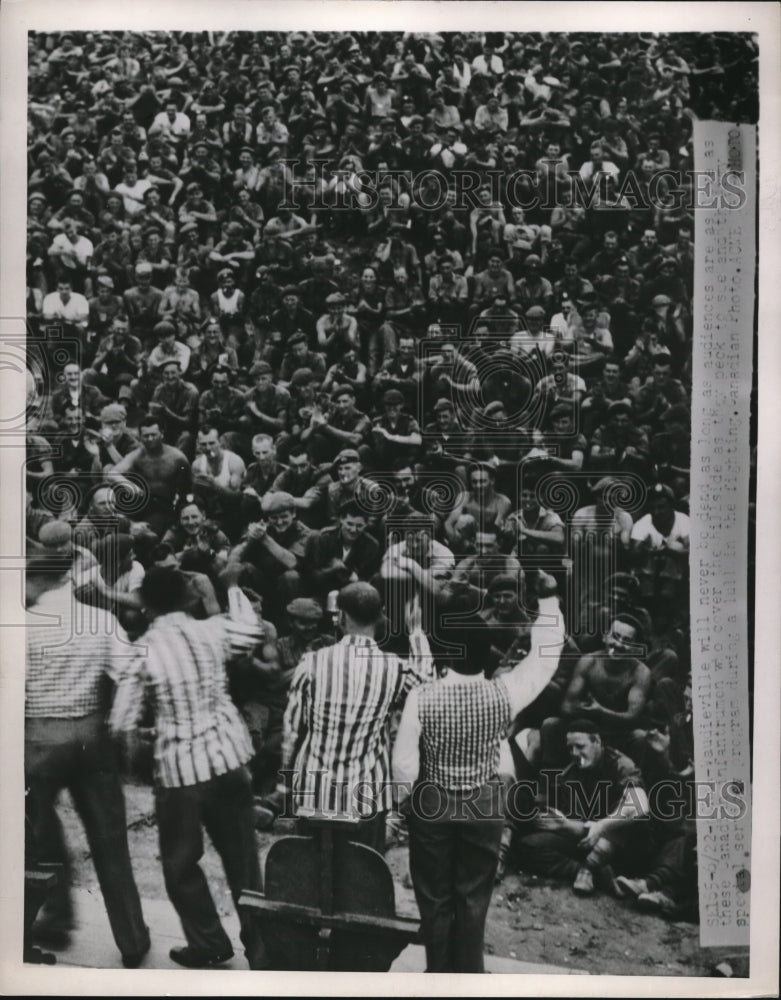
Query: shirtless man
x=218, y=475
x=160, y=474
x=609, y=688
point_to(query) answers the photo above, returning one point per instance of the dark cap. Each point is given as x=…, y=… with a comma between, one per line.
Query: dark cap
x=347, y=455
x=261, y=368
x=302, y=376
x=393, y=396
x=583, y=726
x=305, y=608
x=342, y=390
x=444, y=404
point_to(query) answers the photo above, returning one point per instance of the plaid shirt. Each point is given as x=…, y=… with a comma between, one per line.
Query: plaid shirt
x=71, y=647
x=336, y=731
x=459, y=721
x=200, y=733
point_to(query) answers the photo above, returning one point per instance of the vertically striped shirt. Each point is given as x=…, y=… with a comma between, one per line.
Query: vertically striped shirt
x=336, y=731
x=71, y=647
x=181, y=662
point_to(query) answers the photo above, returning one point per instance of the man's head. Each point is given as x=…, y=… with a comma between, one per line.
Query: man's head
x=348, y=465
x=343, y=398
x=304, y=615
x=220, y=380
x=625, y=633
x=584, y=744
x=263, y=450
x=444, y=414
x=480, y=480
x=393, y=403
x=611, y=372
x=71, y=421
x=280, y=510
x=191, y=518
x=620, y=414
x=163, y=591
x=360, y=607
x=209, y=442
x=102, y=504
x=72, y=375
x=150, y=435
x=504, y=592
x=352, y=521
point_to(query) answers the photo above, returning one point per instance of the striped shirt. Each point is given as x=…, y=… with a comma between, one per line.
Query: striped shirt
x=181, y=663
x=71, y=648
x=336, y=729
x=459, y=723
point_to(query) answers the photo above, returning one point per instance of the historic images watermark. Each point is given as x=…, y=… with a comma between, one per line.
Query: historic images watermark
x=650, y=188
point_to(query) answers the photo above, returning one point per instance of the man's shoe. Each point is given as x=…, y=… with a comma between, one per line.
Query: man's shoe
x=133, y=959
x=195, y=958
x=51, y=933
x=584, y=882
x=629, y=888
x=657, y=902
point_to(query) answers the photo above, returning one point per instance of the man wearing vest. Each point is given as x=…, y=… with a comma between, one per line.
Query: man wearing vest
x=447, y=751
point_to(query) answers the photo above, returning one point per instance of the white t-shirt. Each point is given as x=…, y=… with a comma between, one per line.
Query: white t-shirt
x=679, y=534
x=231, y=462
x=76, y=310
x=133, y=196
x=82, y=249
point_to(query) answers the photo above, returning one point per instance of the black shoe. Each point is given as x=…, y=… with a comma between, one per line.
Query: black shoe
x=35, y=956
x=135, y=958
x=51, y=933
x=195, y=958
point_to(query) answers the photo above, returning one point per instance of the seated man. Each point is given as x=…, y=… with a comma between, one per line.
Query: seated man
x=261, y=474
x=533, y=530
x=175, y=404
x=218, y=475
x=487, y=562
x=306, y=483
x=395, y=435
x=265, y=405
x=609, y=687
x=346, y=427
x=272, y=553
x=222, y=406
x=156, y=473
x=481, y=500
x=594, y=816
x=341, y=554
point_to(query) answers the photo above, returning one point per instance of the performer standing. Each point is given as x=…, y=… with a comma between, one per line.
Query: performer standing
x=71, y=648
x=447, y=750
x=201, y=753
x=336, y=733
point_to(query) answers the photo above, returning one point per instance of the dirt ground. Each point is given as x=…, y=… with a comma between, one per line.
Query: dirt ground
x=531, y=919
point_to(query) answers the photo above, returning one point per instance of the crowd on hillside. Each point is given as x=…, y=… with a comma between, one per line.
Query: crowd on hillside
x=289, y=320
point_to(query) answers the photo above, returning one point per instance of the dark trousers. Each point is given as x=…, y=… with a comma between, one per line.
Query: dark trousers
x=77, y=754
x=223, y=807
x=454, y=843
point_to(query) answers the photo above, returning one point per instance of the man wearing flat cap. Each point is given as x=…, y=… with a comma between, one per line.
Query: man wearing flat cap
x=298, y=356
x=327, y=435
x=396, y=433
x=175, y=403
x=142, y=304
x=337, y=331
x=619, y=443
x=272, y=551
